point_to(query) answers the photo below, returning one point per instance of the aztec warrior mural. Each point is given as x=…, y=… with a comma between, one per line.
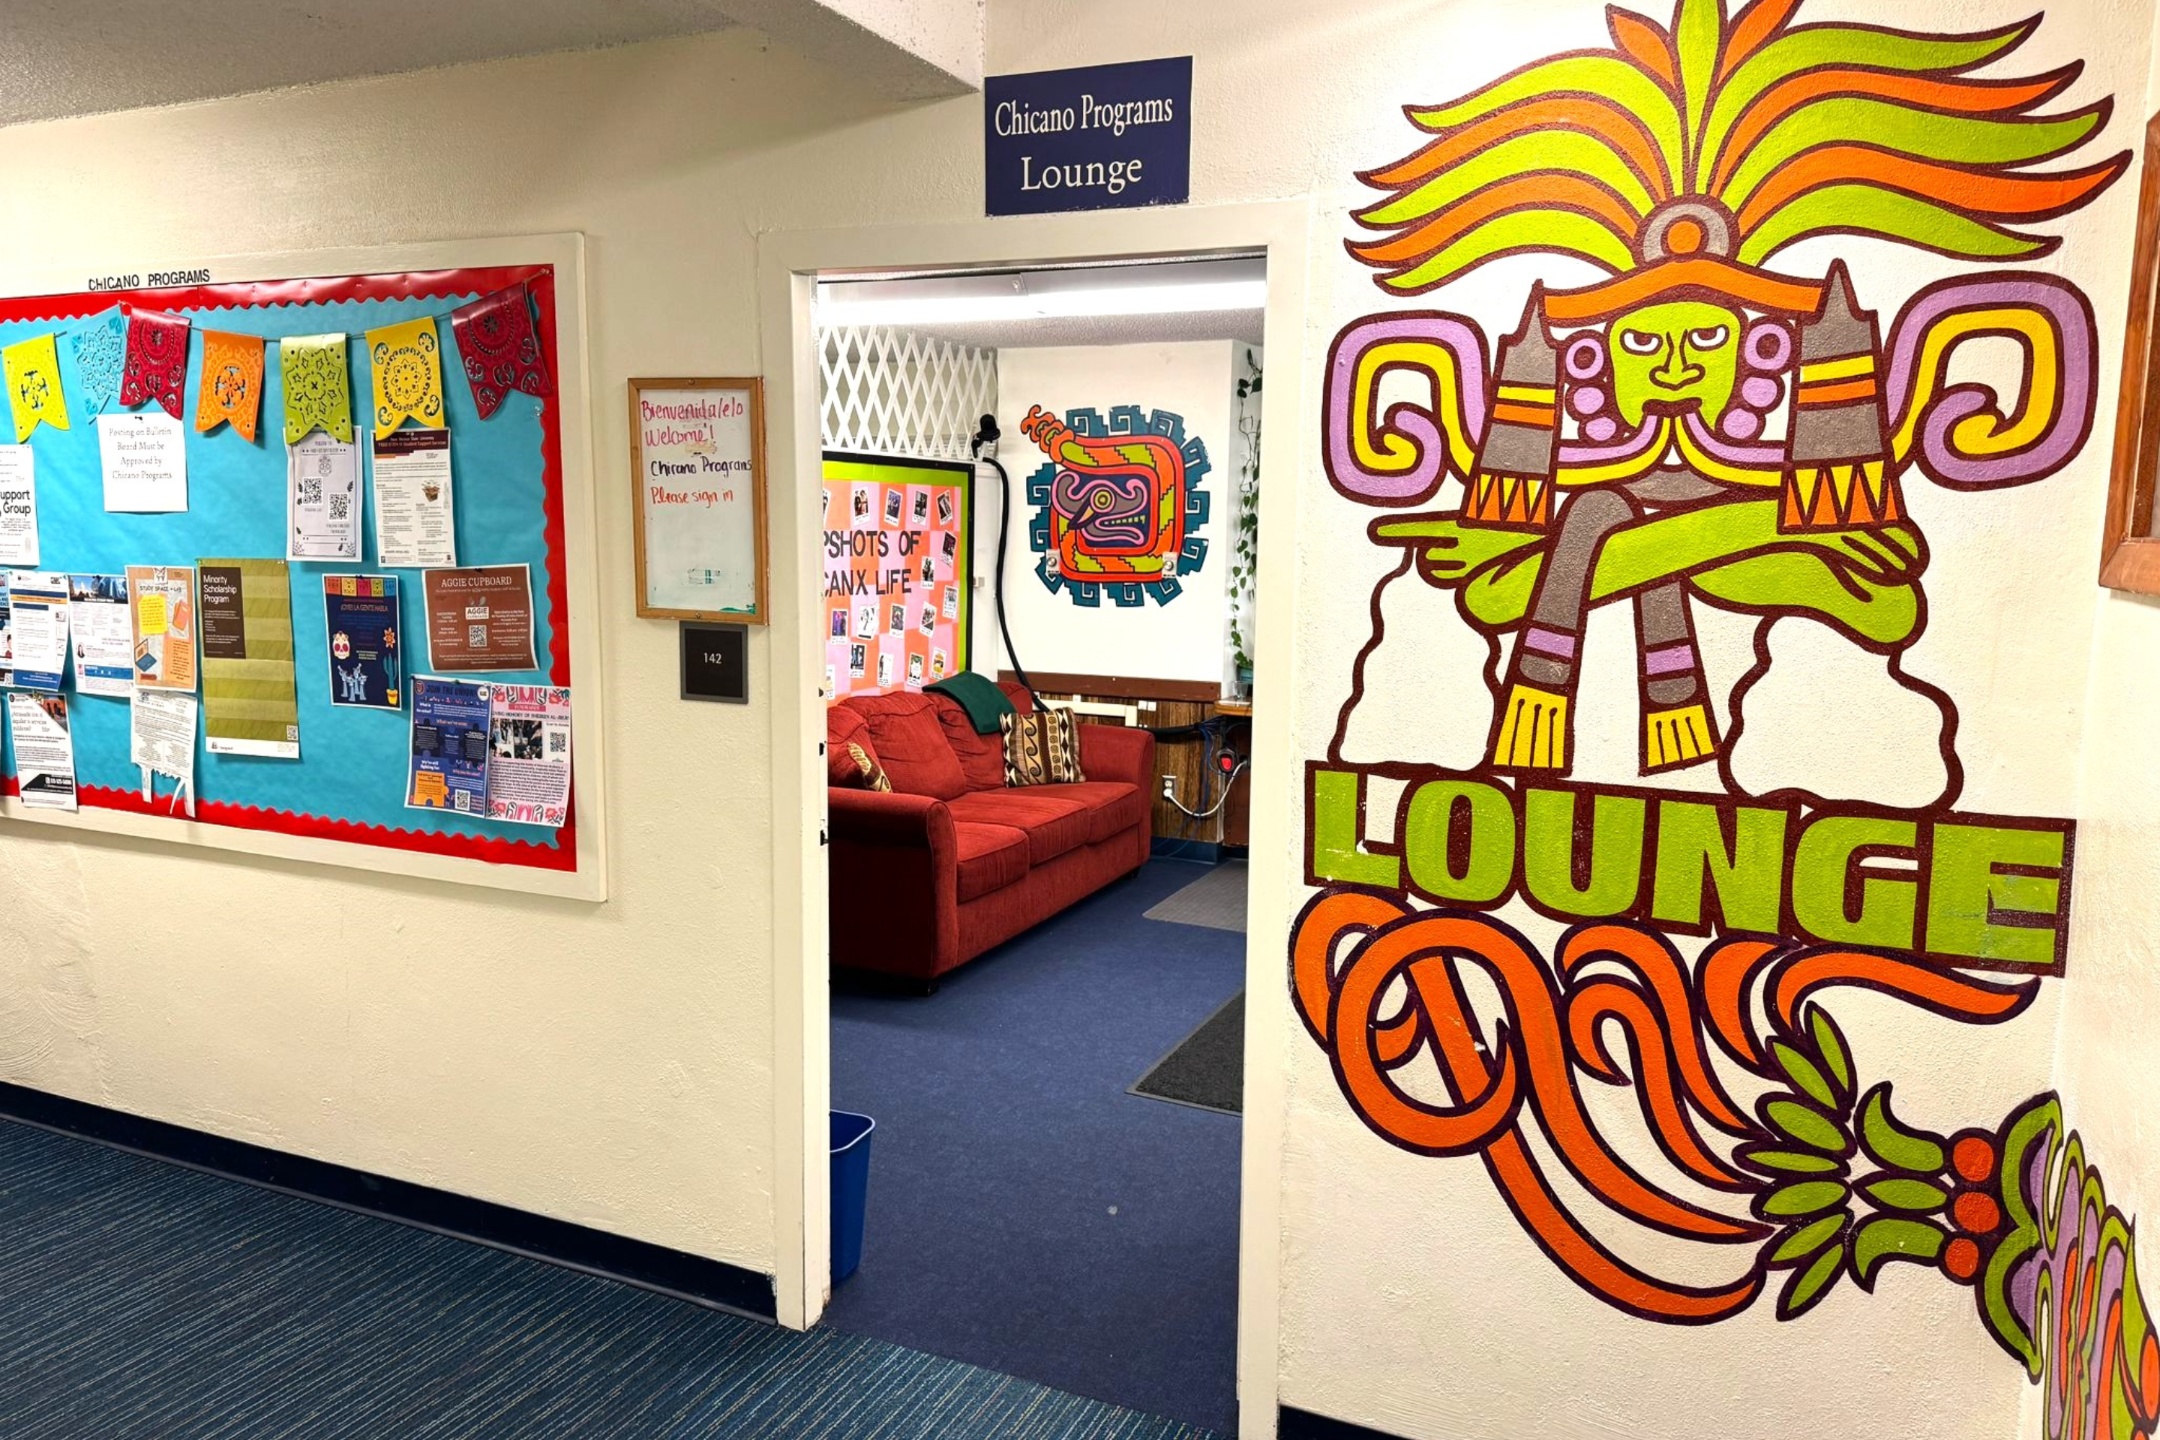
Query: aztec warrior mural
x=1119, y=505
x=1705, y=431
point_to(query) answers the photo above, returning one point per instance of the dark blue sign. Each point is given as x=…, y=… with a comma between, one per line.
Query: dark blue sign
x=1102, y=138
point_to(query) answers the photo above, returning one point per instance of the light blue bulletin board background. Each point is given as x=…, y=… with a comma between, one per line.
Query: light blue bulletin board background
x=352, y=764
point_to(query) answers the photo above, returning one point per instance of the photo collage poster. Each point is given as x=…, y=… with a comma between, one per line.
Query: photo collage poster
x=897, y=571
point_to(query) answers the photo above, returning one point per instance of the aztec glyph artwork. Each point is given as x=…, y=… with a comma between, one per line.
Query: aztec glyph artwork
x=1714, y=428
x=1119, y=504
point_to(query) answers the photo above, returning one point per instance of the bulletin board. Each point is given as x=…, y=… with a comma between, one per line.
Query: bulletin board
x=899, y=560
x=521, y=482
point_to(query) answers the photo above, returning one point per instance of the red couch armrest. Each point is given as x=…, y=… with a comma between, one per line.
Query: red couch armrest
x=894, y=871
x=885, y=817
x=1118, y=752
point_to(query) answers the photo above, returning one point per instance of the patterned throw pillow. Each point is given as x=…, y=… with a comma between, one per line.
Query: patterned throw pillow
x=855, y=768
x=1042, y=748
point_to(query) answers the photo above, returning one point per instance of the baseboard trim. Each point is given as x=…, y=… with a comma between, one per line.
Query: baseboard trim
x=1294, y=1424
x=1165, y=847
x=695, y=1278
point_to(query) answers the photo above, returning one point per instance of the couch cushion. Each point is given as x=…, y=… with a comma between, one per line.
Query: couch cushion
x=1113, y=806
x=1053, y=825
x=991, y=857
x=982, y=757
x=911, y=744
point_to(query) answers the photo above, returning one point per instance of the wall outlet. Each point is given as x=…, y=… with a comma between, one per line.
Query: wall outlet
x=1169, y=787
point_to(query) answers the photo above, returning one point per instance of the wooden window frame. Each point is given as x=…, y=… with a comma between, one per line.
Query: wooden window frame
x=2129, y=553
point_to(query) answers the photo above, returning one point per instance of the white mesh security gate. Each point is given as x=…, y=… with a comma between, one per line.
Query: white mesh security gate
x=888, y=392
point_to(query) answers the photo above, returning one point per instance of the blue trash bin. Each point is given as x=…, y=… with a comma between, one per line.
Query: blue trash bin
x=850, y=1189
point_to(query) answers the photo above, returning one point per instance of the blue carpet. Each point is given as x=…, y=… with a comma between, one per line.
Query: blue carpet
x=141, y=1301
x=1026, y=1213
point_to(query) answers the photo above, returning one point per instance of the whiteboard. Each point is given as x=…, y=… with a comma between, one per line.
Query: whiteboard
x=697, y=465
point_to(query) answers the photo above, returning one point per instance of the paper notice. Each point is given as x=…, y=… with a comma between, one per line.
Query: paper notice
x=528, y=780
x=161, y=740
x=44, y=750
x=414, y=525
x=99, y=631
x=18, y=505
x=249, y=703
x=449, y=746
x=480, y=618
x=38, y=606
x=361, y=616
x=144, y=456
x=322, y=504
x=162, y=622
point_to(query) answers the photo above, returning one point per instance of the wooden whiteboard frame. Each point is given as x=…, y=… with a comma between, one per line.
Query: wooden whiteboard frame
x=566, y=254
x=761, y=604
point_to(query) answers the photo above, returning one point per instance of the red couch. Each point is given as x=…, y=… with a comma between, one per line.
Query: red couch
x=951, y=862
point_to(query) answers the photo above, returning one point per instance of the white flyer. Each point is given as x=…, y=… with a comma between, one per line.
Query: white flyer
x=161, y=740
x=528, y=778
x=44, y=750
x=99, y=632
x=18, y=505
x=415, y=525
x=322, y=502
x=144, y=457
x=39, y=606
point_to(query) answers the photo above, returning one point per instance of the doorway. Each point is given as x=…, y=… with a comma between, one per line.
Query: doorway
x=1040, y=496
x=976, y=1090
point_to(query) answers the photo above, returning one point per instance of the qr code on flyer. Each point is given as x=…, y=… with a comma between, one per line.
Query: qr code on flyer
x=476, y=636
x=557, y=742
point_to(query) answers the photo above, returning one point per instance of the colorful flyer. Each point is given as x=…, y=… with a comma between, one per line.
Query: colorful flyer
x=322, y=501
x=249, y=702
x=479, y=618
x=528, y=778
x=361, y=614
x=18, y=505
x=161, y=617
x=414, y=518
x=44, y=750
x=161, y=741
x=143, y=455
x=38, y=626
x=98, y=630
x=7, y=634
x=449, y=746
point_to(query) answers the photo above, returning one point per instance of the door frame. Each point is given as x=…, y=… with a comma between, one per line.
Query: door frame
x=788, y=262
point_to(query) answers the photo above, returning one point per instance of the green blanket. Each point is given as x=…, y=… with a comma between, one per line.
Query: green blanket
x=984, y=702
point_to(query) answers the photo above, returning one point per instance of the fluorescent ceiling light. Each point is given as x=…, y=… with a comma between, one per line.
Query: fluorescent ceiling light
x=835, y=307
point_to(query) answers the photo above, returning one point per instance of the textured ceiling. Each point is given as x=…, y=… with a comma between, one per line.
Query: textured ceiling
x=78, y=57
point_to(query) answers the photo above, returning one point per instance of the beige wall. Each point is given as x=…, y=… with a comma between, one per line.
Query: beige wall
x=612, y=1065
x=609, y=1065
x=2105, y=1058
x=606, y=1064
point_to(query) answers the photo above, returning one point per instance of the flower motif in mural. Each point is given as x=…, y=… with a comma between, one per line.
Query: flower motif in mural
x=1119, y=504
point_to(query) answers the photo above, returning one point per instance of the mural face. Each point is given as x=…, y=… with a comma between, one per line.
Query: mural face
x=1120, y=504
x=1704, y=431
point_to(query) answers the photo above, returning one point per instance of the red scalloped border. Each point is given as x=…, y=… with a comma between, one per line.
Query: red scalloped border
x=414, y=285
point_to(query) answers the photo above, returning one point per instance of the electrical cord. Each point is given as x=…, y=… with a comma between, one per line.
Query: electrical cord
x=1229, y=782
x=985, y=440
